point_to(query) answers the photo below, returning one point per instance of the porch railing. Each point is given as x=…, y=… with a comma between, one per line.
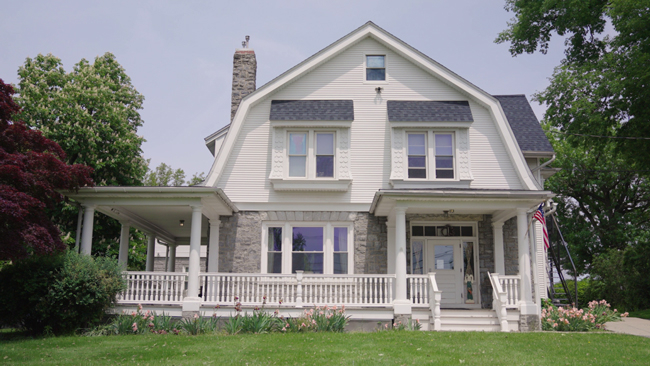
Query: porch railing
x=153, y=288
x=435, y=298
x=499, y=301
x=510, y=284
x=418, y=289
x=298, y=289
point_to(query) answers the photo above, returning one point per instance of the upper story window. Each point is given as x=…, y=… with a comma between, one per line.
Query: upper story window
x=430, y=152
x=375, y=67
x=311, y=154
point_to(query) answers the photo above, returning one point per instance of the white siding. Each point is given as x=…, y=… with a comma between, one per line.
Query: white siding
x=245, y=176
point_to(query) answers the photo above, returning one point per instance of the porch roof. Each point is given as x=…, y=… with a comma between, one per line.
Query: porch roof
x=157, y=210
x=462, y=201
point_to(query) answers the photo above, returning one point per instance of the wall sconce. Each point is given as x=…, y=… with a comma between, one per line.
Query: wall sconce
x=182, y=222
x=379, y=89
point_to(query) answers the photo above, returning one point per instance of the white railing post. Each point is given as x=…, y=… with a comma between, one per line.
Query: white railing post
x=435, y=296
x=299, y=289
x=500, y=300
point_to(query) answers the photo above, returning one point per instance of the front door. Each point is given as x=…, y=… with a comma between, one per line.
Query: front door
x=453, y=261
x=443, y=258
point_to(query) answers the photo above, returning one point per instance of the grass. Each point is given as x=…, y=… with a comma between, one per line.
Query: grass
x=382, y=348
x=644, y=314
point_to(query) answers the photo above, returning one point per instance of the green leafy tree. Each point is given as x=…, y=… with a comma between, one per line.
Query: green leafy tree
x=598, y=116
x=92, y=112
x=166, y=176
x=601, y=87
x=602, y=204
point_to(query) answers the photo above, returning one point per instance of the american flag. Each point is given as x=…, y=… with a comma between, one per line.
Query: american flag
x=539, y=216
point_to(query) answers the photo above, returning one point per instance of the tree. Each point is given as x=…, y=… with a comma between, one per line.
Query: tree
x=32, y=168
x=601, y=88
x=165, y=176
x=92, y=113
x=602, y=205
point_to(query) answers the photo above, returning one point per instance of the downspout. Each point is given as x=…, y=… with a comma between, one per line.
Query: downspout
x=543, y=165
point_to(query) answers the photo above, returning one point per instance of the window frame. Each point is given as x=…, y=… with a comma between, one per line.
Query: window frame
x=310, y=164
x=365, y=68
x=430, y=158
x=287, y=244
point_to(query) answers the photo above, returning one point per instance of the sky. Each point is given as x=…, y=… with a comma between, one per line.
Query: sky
x=179, y=53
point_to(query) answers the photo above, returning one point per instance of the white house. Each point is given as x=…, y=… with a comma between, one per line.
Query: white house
x=369, y=176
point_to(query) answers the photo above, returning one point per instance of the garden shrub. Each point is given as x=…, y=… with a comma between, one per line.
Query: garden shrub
x=58, y=294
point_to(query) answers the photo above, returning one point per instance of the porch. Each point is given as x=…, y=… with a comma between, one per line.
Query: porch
x=368, y=298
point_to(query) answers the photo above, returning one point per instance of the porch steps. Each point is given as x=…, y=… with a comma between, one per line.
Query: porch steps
x=479, y=320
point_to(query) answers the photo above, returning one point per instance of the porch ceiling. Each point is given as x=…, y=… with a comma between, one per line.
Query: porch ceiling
x=158, y=210
x=461, y=201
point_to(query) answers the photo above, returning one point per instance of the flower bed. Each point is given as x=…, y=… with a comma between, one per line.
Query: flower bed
x=581, y=320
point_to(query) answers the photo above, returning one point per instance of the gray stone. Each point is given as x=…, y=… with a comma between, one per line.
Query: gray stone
x=291, y=216
x=510, y=247
x=282, y=216
x=529, y=323
x=243, y=77
x=316, y=216
x=343, y=216
x=308, y=216
x=273, y=216
x=299, y=216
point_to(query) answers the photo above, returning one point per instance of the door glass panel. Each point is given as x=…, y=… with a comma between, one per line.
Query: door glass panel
x=469, y=284
x=417, y=257
x=444, y=256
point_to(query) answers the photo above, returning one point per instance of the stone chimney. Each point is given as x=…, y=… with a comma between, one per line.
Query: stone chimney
x=244, y=71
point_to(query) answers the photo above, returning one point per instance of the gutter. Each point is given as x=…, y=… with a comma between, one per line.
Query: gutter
x=543, y=165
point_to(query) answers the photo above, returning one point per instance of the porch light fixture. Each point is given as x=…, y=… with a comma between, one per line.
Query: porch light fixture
x=379, y=89
x=182, y=222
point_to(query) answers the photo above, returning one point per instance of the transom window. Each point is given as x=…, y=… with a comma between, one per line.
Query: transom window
x=430, y=152
x=312, y=249
x=311, y=154
x=375, y=68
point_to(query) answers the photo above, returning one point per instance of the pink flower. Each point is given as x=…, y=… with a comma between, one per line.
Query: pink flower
x=139, y=307
x=303, y=325
x=625, y=314
x=196, y=316
x=135, y=327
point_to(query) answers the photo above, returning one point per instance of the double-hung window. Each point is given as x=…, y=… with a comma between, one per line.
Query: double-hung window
x=375, y=68
x=430, y=152
x=311, y=248
x=311, y=154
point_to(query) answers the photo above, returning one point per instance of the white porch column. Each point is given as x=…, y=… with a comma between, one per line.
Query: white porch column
x=499, y=253
x=87, y=234
x=171, y=258
x=80, y=218
x=213, y=246
x=192, y=301
x=525, y=290
x=401, y=304
x=151, y=249
x=123, y=257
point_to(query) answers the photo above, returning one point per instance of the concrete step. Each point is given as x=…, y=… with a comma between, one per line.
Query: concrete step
x=470, y=328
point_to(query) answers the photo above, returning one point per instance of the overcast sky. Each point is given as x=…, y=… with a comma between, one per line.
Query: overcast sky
x=179, y=53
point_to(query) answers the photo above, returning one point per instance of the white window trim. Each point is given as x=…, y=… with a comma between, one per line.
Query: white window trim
x=365, y=66
x=279, y=176
x=287, y=245
x=399, y=158
x=429, y=140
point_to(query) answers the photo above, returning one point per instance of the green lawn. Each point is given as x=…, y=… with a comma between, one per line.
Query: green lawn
x=384, y=348
x=645, y=314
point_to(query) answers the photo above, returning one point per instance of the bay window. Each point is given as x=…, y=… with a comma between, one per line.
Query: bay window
x=321, y=248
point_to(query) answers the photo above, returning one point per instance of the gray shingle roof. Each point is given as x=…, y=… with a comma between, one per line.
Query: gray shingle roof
x=524, y=123
x=429, y=111
x=312, y=110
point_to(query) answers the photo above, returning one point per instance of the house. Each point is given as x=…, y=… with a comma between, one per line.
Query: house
x=369, y=176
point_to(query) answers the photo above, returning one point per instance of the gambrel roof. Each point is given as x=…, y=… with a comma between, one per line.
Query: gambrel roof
x=528, y=132
x=371, y=30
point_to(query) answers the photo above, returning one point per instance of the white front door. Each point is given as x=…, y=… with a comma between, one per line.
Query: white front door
x=444, y=257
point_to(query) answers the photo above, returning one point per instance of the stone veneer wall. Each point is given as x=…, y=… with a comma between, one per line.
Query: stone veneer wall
x=486, y=258
x=240, y=238
x=510, y=247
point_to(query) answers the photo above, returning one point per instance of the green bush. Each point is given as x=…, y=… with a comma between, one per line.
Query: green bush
x=58, y=294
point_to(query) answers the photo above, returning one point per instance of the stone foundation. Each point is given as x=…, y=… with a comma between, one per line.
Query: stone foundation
x=529, y=323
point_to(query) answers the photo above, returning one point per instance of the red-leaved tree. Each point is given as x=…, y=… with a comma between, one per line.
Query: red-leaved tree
x=31, y=172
